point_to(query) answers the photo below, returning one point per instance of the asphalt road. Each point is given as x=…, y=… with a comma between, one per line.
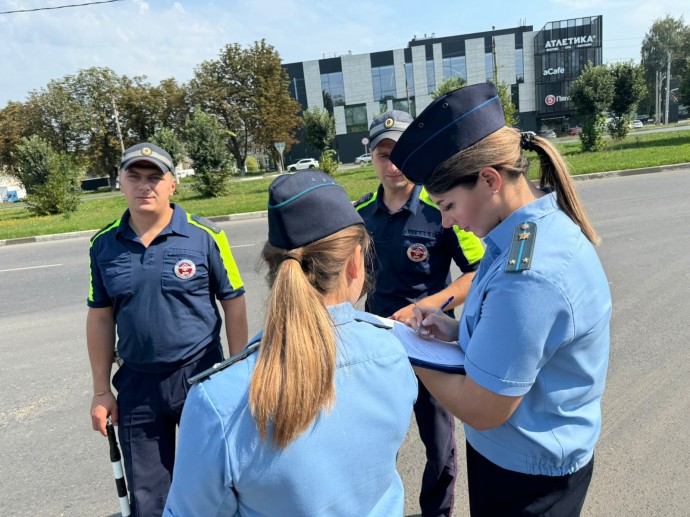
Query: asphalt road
x=52, y=464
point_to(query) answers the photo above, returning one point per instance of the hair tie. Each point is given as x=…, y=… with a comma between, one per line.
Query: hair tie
x=527, y=140
x=293, y=256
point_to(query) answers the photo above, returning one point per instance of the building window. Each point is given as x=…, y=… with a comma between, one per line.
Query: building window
x=515, y=96
x=489, y=66
x=356, y=118
x=383, y=78
x=455, y=67
x=519, y=66
x=430, y=76
x=333, y=90
x=409, y=79
x=405, y=105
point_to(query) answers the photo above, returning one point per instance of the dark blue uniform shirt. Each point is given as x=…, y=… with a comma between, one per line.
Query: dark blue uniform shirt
x=413, y=250
x=164, y=296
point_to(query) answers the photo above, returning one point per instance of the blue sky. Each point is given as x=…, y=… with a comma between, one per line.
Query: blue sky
x=161, y=39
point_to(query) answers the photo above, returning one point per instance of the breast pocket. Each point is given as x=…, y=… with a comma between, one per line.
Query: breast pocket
x=185, y=271
x=117, y=275
x=418, y=248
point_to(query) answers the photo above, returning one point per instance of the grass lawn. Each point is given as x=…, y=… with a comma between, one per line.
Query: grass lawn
x=637, y=150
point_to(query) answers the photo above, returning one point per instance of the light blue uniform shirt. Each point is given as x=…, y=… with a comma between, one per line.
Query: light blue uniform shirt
x=344, y=464
x=542, y=334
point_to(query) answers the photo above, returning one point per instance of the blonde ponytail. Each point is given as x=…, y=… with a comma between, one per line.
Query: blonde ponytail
x=293, y=380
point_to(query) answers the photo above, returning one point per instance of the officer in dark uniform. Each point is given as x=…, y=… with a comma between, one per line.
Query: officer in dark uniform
x=413, y=258
x=156, y=274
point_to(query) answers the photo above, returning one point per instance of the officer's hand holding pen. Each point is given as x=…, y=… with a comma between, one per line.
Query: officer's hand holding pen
x=432, y=322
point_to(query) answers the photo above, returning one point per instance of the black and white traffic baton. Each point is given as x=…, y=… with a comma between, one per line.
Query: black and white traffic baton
x=118, y=473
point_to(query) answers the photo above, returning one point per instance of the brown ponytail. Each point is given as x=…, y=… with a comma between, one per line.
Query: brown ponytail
x=502, y=150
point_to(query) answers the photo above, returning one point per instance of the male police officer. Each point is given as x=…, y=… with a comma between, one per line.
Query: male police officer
x=413, y=257
x=155, y=276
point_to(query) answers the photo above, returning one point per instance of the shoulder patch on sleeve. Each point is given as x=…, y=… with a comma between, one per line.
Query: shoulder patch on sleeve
x=521, y=248
x=362, y=201
x=107, y=227
x=224, y=364
x=207, y=223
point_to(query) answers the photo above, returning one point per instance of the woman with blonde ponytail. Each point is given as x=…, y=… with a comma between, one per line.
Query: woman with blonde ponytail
x=309, y=418
x=535, y=325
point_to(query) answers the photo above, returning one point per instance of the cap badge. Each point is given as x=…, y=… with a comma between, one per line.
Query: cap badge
x=146, y=151
x=185, y=269
x=388, y=123
x=417, y=252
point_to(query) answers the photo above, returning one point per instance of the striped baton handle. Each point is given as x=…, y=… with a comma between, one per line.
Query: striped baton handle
x=118, y=473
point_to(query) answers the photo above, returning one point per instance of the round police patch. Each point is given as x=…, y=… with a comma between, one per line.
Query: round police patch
x=388, y=123
x=417, y=252
x=185, y=269
x=146, y=151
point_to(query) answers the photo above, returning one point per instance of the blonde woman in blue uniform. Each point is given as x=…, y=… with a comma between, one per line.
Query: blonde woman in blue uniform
x=311, y=422
x=535, y=325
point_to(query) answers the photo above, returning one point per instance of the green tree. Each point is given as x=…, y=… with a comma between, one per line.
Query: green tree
x=17, y=120
x=327, y=161
x=205, y=144
x=453, y=83
x=319, y=128
x=51, y=179
x=172, y=105
x=665, y=38
x=506, y=97
x=628, y=90
x=166, y=139
x=247, y=91
x=33, y=162
x=592, y=94
x=683, y=67
x=448, y=85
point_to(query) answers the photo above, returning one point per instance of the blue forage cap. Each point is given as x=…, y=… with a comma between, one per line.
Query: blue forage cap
x=305, y=207
x=448, y=125
x=390, y=124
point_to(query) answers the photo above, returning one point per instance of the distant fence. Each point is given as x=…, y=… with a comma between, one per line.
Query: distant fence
x=95, y=183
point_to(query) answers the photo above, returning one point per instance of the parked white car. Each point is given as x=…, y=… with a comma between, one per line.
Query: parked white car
x=635, y=124
x=363, y=158
x=304, y=163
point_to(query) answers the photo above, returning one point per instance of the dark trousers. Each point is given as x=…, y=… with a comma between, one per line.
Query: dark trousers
x=437, y=431
x=495, y=491
x=149, y=410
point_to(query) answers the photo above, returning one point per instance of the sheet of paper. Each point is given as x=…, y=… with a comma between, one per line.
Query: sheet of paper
x=428, y=353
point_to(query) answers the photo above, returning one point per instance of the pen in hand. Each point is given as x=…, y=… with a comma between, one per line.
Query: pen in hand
x=437, y=311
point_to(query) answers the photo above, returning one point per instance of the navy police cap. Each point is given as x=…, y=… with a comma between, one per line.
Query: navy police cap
x=390, y=124
x=448, y=125
x=147, y=152
x=305, y=207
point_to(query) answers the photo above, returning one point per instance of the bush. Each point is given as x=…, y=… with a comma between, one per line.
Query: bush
x=205, y=144
x=327, y=162
x=252, y=164
x=166, y=139
x=52, y=180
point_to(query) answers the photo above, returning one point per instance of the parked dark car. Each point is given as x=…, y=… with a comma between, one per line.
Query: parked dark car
x=573, y=131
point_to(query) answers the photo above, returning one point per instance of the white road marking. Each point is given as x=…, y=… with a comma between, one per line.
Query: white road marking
x=31, y=267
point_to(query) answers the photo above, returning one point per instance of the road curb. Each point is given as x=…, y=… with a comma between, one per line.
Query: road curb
x=262, y=213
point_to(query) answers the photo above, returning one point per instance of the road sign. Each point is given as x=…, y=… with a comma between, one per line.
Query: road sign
x=365, y=141
x=280, y=147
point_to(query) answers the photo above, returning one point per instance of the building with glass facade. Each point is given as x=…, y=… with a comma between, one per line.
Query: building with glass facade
x=538, y=65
